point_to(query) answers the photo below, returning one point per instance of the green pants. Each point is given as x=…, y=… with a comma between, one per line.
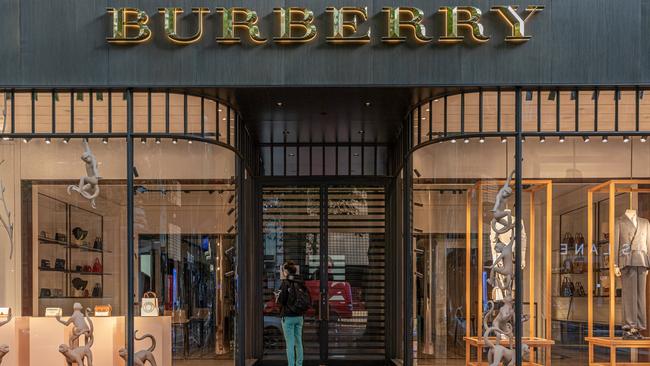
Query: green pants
x=292, y=328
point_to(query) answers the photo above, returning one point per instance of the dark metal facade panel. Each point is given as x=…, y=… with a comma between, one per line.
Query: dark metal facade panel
x=62, y=43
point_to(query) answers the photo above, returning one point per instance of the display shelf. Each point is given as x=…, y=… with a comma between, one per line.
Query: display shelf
x=52, y=270
x=43, y=240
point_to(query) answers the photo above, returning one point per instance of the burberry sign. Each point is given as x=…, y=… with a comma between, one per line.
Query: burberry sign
x=296, y=25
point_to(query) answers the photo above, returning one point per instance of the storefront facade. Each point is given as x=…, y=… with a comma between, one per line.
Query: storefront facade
x=160, y=162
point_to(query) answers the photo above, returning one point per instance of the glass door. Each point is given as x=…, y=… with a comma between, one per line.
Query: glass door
x=336, y=236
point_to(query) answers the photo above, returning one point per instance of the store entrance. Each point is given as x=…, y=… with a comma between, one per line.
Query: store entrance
x=336, y=236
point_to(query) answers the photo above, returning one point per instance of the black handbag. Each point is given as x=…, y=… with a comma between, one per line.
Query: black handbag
x=567, y=288
x=46, y=292
x=98, y=244
x=59, y=264
x=97, y=290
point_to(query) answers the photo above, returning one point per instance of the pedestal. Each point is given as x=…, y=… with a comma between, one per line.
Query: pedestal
x=161, y=328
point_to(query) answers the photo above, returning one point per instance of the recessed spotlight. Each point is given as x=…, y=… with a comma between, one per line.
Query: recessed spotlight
x=466, y=141
x=5, y=138
x=355, y=155
x=223, y=119
x=368, y=104
x=361, y=132
x=423, y=118
x=279, y=104
x=453, y=141
x=644, y=138
x=157, y=140
x=427, y=109
x=66, y=140
x=626, y=139
x=26, y=139
x=48, y=141
x=189, y=142
x=143, y=140
x=174, y=141
x=604, y=140
x=562, y=139
x=504, y=140
x=292, y=154
x=105, y=140
x=286, y=132
x=436, y=100
x=585, y=138
x=542, y=139
x=481, y=140
x=523, y=139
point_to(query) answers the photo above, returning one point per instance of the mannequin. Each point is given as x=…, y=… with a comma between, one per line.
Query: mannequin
x=631, y=262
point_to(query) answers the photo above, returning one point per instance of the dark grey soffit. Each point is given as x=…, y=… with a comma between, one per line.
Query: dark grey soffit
x=575, y=42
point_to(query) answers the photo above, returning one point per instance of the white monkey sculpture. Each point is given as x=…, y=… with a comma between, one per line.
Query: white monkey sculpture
x=88, y=185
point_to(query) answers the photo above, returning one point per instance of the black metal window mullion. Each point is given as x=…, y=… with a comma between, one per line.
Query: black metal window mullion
x=539, y=109
x=498, y=109
x=596, y=97
x=149, y=118
x=185, y=113
x=13, y=111
x=53, y=94
x=33, y=110
x=462, y=112
x=637, y=102
x=228, y=126
x=577, y=110
x=166, y=111
x=71, y=112
x=202, y=118
x=430, y=120
x=445, y=119
x=217, y=134
x=480, y=111
x=130, y=328
x=557, y=111
x=617, y=96
x=419, y=124
x=91, y=109
x=518, y=229
x=110, y=111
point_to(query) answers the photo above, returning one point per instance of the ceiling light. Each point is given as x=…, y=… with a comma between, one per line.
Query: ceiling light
x=562, y=139
x=453, y=141
x=423, y=118
x=47, y=140
x=427, y=109
x=26, y=139
x=279, y=104
x=604, y=139
x=355, y=155
x=5, y=138
x=292, y=154
x=143, y=140
x=523, y=139
x=174, y=141
x=466, y=141
x=367, y=104
x=66, y=140
x=481, y=140
x=585, y=138
x=626, y=139
x=644, y=138
x=361, y=132
x=436, y=100
x=157, y=140
x=504, y=140
x=189, y=142
x=542, y=139
x=105, y=140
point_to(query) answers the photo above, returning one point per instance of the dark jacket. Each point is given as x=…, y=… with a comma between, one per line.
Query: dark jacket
x=283, y=299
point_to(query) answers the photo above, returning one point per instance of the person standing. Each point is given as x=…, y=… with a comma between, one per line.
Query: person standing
x=294, y=302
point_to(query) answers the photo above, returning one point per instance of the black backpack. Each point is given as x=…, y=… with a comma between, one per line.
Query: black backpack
x=299, y=300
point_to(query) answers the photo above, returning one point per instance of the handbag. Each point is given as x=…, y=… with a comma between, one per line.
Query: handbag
x=97, y=290
x=103, y=310
x=149, y=305
x=567, y=288
x=98, y=244
x=59, y=264
x=97, y=266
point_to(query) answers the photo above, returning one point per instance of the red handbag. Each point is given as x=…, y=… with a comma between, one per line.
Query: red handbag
x=97, y=266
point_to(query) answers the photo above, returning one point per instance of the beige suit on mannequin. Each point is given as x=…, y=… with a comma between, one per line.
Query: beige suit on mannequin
x=631, y=262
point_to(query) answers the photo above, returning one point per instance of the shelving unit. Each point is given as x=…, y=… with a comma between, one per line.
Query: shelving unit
x=56, y=222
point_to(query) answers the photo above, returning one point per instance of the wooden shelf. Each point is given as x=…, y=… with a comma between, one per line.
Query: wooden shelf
x=534, y=342
x=619, y=342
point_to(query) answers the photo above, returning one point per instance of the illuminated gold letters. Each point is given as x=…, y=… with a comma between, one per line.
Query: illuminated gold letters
x=343, y=29
x=288, y=23
x=299, y=25
x=125, y=19
x=170, y=16
x=515, y=21
x=452, y=24
x=231, y=24
x=396, y=23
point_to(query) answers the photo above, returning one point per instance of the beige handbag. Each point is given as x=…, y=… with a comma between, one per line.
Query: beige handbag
x=149, y=305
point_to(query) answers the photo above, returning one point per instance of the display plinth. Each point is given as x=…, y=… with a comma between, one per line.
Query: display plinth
x=533, y=187
x=9, y=335
x=611, y=188
x=161, y=328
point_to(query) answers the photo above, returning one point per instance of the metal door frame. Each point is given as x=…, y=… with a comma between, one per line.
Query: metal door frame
x=323, y=183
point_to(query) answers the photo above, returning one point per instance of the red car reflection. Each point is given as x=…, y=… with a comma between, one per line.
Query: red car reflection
x=339, y=295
